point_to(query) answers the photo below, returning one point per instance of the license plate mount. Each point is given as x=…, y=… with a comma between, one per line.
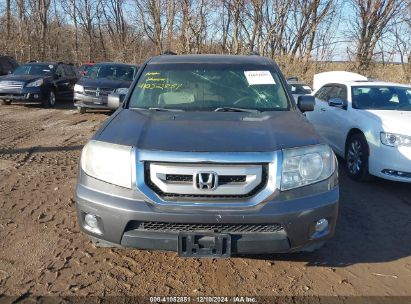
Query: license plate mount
x=213, y=245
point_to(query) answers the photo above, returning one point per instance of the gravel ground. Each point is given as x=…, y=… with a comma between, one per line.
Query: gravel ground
x=42, y=251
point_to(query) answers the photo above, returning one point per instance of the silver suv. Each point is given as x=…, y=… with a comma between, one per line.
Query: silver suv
x=208, y=156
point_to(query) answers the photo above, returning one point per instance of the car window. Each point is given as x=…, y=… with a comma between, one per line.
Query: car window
x=338, y=92
x=60, y=71
x=68, y=71
x=112, y=71
x=302, y=89
x=205, y=87
x=322, y=93
x=381, y=98
x=34, y=69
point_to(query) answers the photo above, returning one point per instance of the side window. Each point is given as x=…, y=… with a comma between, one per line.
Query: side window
x=68, y=71
x=323, y=93
x=2, y=66
x=60, y=71
x=338, y=91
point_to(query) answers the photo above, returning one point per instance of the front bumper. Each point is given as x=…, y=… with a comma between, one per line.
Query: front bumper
x=91, y=102
x=26, y=94
x=121, y=211
x=392, y=163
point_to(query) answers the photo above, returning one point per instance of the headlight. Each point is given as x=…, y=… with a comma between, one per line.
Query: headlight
x=122, y=91
x=307, y=165
x=78, y=88
x=108, y=162
x=395, y=140
x=36, y=83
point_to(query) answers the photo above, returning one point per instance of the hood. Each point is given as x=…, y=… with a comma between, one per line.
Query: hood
x=104, y=83
x=23, y=78
x=393, y=121
x=208, y=131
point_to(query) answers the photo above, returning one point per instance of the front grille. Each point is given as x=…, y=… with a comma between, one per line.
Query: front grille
x=222, y=180
x=233, y=179
x=11, y=85
x=91, y=91
x=216, y=228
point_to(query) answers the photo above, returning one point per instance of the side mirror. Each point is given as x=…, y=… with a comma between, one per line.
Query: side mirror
x=306, y=103
x=338, y=103
x=115, y=100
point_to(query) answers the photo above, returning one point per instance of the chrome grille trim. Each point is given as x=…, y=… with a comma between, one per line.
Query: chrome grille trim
x=272, y=161
x=159, y=171
x=11, y=85
x=93, y=90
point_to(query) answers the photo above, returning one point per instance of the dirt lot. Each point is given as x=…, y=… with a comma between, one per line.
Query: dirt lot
x=42, y=251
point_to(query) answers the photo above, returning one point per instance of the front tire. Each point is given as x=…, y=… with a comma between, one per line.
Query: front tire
x=5, y=102
x=356, y=158
x=50, y=101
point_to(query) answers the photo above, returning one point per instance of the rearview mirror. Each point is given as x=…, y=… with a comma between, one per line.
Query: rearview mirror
x=306, y=103
x=338, y=103
x=115, y=100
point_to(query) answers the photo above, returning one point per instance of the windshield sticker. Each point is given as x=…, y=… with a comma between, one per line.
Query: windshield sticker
x=154, y=81
x=307, y=87
x=259, y=77
x=160, y=86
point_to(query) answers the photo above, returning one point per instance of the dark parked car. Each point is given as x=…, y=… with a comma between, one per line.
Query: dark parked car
x=7, y=65
x=298, y=88
x=208, y=156
x=39, y=82
x=101, y=80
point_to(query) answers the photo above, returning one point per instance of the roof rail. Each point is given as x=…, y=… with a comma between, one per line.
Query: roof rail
x=30, y=61
x=254, y=53
x=168, y=52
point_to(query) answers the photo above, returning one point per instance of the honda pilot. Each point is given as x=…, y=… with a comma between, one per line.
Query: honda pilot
x=208, y=156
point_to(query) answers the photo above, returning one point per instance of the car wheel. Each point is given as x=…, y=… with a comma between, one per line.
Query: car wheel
x=50, y=101
x=81, y=110
x=5, y=102
x=356, y=157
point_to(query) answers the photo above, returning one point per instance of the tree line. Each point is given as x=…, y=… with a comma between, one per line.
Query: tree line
x=299, y=31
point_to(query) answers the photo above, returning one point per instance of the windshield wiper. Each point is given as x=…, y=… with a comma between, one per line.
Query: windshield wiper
x=166, y=109
x=229, y=109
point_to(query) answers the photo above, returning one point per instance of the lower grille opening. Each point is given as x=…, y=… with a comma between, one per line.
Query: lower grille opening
x=196, y=227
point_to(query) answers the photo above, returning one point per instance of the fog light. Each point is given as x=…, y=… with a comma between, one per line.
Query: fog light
x=36, y=96
x=91, y=221
x=321, y=225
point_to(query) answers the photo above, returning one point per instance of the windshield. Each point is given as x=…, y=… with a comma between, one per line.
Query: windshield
x=381, y=98
x=84, y=68
x=34, y=69
x=205, y=87
x=302, y=89
x=115, y=72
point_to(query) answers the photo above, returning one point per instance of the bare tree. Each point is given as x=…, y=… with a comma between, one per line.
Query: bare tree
x=373, y=18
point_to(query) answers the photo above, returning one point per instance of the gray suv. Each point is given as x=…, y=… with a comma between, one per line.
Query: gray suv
x=208, y=156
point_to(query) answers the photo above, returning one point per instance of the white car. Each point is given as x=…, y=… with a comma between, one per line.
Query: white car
x=369, y=124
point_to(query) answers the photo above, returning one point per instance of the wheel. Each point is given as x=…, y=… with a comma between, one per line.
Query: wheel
x=50, y=101
x=356, y=157
x=81, y=110
x=5, y=102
